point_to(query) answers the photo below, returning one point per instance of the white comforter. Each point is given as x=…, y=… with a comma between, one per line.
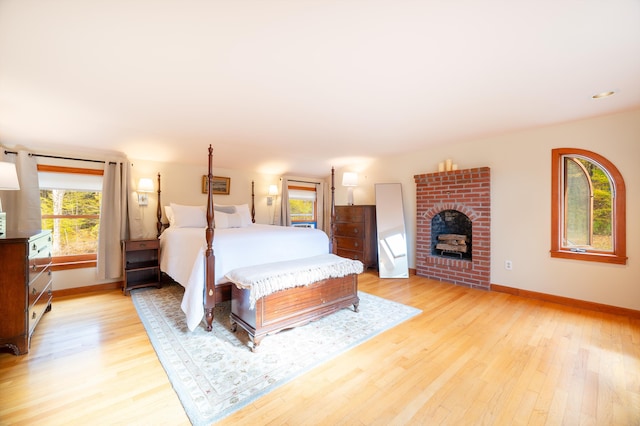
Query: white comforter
x=182, y=255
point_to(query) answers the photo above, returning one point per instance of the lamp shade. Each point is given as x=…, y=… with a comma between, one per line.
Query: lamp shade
x=350, y=179
x=145, y=185
x=8, y=177
x=273, y=190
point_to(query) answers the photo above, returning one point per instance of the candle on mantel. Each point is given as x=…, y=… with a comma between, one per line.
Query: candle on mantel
x=441, y=167
x=448, y=165
x=454, y=167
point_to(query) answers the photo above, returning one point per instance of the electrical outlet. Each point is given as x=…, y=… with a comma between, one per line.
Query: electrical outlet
x=508, y=265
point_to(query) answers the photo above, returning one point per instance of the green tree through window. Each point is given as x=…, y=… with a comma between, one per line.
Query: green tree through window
x=302, y=204
x=74, y=219
x=588, y=201
x=70, y=206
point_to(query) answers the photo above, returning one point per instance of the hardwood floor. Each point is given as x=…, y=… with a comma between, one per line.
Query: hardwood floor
x=471, y=357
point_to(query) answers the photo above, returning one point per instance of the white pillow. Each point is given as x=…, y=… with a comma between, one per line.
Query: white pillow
x=169, y=213
x=189, y=216
x=226, y=220
x=243, y=211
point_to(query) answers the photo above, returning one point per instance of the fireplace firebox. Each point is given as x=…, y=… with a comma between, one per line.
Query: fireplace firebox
x=451, y=234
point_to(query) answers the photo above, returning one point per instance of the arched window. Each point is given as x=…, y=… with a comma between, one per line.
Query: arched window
x=587, y=207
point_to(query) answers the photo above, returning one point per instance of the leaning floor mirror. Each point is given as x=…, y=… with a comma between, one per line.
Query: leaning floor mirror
x=392, y=236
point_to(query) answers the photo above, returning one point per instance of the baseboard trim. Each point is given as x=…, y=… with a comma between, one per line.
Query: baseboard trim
x=87, y=289
x=567, y=301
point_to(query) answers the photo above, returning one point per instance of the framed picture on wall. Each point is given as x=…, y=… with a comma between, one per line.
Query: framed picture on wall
x=219, y=185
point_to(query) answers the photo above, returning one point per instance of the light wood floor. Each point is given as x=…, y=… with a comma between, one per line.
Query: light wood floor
x=471, y=357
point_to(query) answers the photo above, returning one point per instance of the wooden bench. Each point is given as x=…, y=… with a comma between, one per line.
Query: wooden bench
x=299, y=303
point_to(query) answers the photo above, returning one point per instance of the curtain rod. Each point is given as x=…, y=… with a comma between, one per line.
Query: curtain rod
x=60, y=158
x=303, y=181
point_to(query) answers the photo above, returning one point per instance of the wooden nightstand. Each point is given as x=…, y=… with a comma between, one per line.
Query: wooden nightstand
x=356, y=234
x=141, y=265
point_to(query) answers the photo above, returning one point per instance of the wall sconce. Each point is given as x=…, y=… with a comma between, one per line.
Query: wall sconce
x=8, y=182
x=350, y=180
x=145, y=186
x=273, y=193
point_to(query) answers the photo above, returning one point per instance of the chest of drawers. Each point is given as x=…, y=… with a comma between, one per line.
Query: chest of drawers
x=25, y=287
x=355, y=233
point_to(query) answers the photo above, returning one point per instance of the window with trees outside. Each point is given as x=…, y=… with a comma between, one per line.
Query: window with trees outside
x=70, y=205
x=303, y=206
x=588, y=207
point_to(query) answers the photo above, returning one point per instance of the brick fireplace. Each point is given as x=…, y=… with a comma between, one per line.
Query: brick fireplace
x=463, y=196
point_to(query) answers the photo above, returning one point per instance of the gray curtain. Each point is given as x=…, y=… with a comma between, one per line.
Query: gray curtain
x=23, y=206
x=285, y=215
x=114, y=218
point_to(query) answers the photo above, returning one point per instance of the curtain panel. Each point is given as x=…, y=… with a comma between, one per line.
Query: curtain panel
x=116, y=215
x=23, y=206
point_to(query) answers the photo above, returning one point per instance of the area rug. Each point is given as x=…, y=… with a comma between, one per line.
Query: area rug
x=215, y=373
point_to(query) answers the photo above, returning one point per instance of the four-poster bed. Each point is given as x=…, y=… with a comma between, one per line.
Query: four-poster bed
x=207, y=284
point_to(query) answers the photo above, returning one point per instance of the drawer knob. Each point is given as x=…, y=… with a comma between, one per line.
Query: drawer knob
x=33, y=291
x=34, y=267
x=356, y=244
x=355, y=231
x=34, y=247
x=33, y=316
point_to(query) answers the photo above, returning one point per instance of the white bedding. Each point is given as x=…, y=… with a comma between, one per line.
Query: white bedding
x=182, y=255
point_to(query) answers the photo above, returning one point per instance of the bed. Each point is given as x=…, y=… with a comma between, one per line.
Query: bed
x=191, y=255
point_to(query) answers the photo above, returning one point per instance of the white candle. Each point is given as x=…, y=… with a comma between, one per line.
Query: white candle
x=454, y=167
x=441, y=167
x=448, y=164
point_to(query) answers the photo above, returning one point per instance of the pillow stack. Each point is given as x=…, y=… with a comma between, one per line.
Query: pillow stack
x=225, y=216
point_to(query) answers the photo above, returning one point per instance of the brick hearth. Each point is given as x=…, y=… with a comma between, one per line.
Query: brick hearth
x=469, y=192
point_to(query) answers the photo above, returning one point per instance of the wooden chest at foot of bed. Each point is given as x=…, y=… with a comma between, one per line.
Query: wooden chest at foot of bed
x=292, y=307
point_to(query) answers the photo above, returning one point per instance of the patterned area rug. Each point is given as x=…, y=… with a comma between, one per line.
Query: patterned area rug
x=215, y=374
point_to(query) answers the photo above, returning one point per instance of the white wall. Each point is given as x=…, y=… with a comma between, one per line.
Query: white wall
x=520, y=186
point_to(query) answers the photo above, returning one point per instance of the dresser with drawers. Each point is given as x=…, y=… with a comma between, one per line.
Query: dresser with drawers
x=25, y=287
x=355, y=233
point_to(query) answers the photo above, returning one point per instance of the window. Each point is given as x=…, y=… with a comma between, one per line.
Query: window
x=303, y=206
x=587, y=207
x=70, y=204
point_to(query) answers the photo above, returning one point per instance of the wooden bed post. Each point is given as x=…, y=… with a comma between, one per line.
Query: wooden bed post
x=253, y=203
x=333, y=246
x=159, y=211
x=210, y=285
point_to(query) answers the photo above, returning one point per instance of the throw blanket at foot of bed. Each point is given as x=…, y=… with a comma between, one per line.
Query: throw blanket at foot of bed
x=272, y=297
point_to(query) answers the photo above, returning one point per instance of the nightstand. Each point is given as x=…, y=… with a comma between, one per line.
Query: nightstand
x=141, y=265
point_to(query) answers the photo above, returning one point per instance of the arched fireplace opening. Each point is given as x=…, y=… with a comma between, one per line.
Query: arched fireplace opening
x=451, y=235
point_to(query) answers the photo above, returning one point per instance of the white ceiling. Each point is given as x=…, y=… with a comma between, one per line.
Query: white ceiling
x=297, y=86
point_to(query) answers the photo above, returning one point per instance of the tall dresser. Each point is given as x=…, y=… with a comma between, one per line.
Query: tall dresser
x=25, y=287
x=356, y=235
